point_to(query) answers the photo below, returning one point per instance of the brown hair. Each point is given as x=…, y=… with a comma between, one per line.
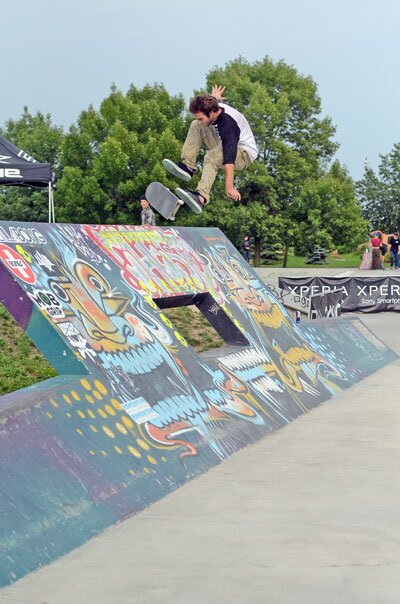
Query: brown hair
x=205, y=103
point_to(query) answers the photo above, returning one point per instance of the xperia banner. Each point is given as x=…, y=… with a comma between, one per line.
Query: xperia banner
x=365, y=294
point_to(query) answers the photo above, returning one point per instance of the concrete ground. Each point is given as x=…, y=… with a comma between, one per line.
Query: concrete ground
x=309, y=515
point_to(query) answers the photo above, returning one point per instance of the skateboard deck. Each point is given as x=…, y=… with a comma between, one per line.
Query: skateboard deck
x=163, y=200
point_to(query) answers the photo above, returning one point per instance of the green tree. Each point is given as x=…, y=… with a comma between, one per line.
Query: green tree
x=110, y=156
x=380, y=195
x=36, y=135
x=328, y=213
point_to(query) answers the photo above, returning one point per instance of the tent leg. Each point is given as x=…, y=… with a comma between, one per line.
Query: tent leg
x=52, y=217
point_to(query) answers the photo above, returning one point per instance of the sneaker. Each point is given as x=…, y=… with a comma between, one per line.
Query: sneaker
x=180, y=169
x=192, y=199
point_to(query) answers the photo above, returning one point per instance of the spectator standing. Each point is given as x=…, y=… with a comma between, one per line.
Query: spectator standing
x=147, y=214
x=394, y=250
x=383, y=250
x=376, y=252
x=246, y=248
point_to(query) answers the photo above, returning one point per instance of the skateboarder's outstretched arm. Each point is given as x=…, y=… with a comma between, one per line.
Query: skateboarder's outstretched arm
x=230, y=190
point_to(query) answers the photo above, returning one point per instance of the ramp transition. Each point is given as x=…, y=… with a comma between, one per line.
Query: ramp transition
x=135, y=412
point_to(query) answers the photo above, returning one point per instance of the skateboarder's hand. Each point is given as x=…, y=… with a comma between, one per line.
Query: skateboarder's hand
x=233, y=194
x=217, y=92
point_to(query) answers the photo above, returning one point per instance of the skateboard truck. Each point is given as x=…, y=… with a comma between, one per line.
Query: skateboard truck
x=163, y=200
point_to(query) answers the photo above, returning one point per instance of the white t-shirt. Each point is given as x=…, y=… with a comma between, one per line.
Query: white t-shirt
x=234, y=131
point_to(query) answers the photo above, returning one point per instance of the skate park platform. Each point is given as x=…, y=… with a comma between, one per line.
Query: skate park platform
x=226, y=539
x=272, y=274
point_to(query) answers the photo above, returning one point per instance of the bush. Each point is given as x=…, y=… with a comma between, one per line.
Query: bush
x=347, y=249
x=317, y=255
x=272, y=253
x=362, y=247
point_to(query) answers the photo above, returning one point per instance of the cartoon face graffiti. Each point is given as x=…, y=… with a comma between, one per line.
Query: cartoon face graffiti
x=100, y=308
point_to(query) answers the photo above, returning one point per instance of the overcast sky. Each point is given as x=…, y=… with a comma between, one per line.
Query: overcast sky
x=59, y=56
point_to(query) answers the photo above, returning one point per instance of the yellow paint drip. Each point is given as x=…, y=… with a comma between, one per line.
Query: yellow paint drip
x=127, y=421
x=100, y=387
x=116, y=404
x=181, y=338
x=142, y=444
x=121, y=428
x=108, y=432
x=85, y=384
x=134, y=452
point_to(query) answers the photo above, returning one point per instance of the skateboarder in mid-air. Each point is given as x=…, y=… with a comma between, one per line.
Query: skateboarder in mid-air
x=230, y=142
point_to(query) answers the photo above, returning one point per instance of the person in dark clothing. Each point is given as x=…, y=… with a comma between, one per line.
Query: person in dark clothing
x=246, y=248
x=394, y=243
x=383, y=249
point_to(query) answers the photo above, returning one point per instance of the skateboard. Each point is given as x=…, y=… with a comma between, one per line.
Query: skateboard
x=163, y=200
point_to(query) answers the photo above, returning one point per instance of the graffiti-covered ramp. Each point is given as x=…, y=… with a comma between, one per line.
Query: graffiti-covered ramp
x=135, y=412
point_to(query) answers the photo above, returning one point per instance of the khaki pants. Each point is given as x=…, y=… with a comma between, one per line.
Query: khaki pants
x=198, y=136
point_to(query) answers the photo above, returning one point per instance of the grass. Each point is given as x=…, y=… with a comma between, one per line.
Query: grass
x=195, y=328
x=21, y=364
x=345, y=261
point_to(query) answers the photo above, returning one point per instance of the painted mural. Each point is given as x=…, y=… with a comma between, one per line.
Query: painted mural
x=135, y=411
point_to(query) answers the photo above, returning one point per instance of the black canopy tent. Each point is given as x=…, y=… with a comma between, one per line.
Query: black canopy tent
x=18, y=168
